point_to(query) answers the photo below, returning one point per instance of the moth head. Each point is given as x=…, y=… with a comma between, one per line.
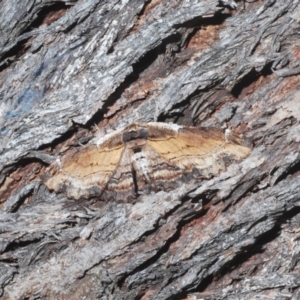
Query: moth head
x=135, y=131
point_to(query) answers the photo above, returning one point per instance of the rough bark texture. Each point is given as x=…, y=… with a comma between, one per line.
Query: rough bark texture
x=71, y=70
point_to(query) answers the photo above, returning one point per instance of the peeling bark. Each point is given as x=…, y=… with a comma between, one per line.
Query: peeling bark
x=73, y=70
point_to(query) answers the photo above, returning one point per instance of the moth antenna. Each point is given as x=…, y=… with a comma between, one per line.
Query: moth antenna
x=227, y=134
x=79, y=143
x=95, y=127
x=155, y=117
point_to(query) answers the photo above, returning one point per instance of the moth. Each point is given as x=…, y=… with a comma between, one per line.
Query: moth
x=142, y=158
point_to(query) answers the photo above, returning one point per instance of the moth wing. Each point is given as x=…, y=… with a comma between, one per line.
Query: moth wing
x=84, y=173
x=121, y=185
x=154, y=172
x=202, y=148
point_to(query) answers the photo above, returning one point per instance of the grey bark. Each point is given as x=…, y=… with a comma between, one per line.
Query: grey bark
x=71, y=70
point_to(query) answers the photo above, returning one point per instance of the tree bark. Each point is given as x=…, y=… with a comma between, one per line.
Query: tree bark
x=73, y=70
